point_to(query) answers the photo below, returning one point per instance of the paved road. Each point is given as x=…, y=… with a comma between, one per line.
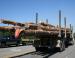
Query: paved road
x=14, y=51
x=68, y=53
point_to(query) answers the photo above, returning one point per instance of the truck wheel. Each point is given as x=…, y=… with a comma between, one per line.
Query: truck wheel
x=72, y=42
x=18, y=43
x=37, y=48
x=62, y=46
x=23, y=43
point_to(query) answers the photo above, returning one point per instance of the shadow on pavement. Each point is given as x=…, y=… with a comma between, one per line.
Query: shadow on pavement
x=46, y=53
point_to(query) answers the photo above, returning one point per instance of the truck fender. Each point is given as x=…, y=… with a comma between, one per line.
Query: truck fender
x=17, y=32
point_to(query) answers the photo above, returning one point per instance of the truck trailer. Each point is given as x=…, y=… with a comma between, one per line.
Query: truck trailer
x=47, y=36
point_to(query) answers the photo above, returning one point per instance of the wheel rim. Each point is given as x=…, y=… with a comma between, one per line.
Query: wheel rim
x=62, y=46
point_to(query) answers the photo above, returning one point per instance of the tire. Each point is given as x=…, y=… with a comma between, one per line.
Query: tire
x=72, y=42
x=62, y=46
x=37, y=48
x=18, y=43
x=23, y=43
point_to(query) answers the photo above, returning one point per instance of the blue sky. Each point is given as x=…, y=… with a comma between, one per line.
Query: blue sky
x=24, y=10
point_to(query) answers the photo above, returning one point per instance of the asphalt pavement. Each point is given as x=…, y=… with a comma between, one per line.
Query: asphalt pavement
x=69, y=52
x=15, y=51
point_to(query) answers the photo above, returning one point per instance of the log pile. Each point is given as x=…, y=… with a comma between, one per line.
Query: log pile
x=43, y=28
x=32, y=28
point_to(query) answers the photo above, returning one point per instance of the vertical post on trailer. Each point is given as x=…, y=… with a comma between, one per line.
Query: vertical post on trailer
x=70, y=31
x=47, y=21
x=65, y=25
x=59, y=23
x=36, y=18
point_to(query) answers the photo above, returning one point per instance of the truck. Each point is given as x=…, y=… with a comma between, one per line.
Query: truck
x=43, y=35
x=13, y=33
x=7, y=33
x=47, y=36
x=7, y=36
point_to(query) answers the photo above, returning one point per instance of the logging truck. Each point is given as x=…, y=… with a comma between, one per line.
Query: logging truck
x=47, y=36
x=43, y=35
